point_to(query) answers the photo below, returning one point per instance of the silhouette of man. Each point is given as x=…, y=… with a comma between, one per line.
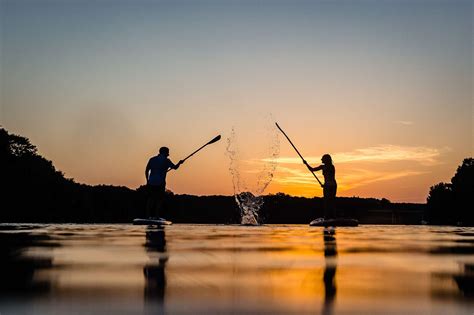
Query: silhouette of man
x=155, y=174
x=330, y=185
x=154, y=271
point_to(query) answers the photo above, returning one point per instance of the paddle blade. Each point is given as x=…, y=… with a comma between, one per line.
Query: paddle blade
x=215, y=139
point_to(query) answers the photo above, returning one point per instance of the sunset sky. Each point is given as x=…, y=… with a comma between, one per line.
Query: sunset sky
x=385, y=87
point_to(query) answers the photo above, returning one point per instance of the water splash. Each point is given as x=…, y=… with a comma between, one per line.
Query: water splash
x=249, y=196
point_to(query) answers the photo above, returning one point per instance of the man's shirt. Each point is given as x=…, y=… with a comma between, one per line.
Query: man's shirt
x=158, y=166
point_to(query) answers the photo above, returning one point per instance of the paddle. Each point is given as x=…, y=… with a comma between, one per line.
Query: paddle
x=210, y=142
x=298, y=153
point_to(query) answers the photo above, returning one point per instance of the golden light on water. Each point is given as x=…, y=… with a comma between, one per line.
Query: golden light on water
x=272, y=268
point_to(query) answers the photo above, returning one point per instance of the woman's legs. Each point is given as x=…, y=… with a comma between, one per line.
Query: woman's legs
x=329, y=202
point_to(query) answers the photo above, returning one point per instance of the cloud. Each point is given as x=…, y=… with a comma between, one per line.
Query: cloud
x=363, y=177
x=346, y=180
x=390, y=153
x=361, y=167
x=383, y=153
x=287, y=175
x=404, y=122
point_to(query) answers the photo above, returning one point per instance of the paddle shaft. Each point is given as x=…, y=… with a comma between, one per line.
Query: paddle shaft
x=298, y=152
x=212, y=141
x=194, y=152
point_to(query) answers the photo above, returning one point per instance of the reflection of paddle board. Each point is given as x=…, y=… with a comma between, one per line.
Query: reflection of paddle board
x=158, y=221
x=334, y=222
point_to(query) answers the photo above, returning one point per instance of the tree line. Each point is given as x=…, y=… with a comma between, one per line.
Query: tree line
x=34, y=191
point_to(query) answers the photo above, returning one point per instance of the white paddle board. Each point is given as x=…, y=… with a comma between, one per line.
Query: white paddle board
x=334, y=222
x=158, y=221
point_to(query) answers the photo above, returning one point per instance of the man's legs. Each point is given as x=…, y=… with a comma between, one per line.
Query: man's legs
x=151, y=202
x=156, y=197
x=160, y=199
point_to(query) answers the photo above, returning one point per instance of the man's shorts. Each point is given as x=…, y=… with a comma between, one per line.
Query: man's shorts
x=157, y=191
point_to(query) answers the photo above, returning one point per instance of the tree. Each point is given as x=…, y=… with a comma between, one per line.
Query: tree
x=439, y=201
x=21, y=146
x=452, y=203
x=463, y=191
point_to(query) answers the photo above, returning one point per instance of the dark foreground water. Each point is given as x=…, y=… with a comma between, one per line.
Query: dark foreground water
x=125, y=269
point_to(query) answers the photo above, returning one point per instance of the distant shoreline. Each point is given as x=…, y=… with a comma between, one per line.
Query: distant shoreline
x=35, y=192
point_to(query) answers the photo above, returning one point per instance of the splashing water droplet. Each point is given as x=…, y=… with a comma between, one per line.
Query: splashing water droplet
x=249, y=197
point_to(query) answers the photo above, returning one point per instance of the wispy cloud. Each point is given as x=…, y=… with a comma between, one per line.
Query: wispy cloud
x=404, y=122
x=346, y=180
x=361, y=177
x=360, y=167
x=389, y=153
x=382, y=153
x=289, y=175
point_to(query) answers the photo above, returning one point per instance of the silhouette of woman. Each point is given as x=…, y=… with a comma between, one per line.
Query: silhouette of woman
x=330, y=185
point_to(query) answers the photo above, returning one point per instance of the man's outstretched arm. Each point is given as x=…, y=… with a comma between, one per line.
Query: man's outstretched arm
x=175, y=166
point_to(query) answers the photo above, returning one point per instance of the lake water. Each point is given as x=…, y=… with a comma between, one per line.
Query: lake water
x=126, y=269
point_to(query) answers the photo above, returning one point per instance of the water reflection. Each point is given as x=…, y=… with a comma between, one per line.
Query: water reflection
x=330, y=260
x=18, y=271
x=154, y=270
x=101, y=269
x=465, y=281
